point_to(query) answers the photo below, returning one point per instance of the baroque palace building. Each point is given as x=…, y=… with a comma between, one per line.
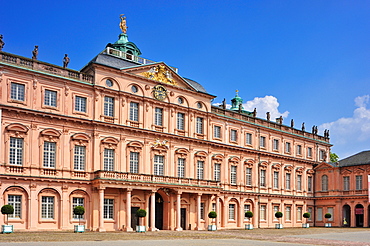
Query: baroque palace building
x=125, y=133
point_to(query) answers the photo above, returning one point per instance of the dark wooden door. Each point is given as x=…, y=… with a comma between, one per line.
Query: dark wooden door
x=183, y=218
x=134, y=218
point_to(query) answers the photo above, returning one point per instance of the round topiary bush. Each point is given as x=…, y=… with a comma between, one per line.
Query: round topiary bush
x=7, y=209
x=249, y=214
x=327, y=215
x=278, y=215
x=141, y=213
x=79, y=210
x=306, y=215
x=212, y=215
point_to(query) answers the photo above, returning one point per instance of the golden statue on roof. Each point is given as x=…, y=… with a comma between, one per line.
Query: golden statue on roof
x=160, y=73
x=122, y=24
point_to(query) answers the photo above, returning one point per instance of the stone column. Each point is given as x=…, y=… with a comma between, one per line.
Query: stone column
x=128, y=210
x=32, y=217
x=198, y=212
x=217, y=211
x=101, y=210
x=152, y=212
x=178, y=212
x=241, y=213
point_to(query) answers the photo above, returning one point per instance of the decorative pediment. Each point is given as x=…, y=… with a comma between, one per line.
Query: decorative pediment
x=276, y=166
x=160, y=73
x=299, y=169
x=135, y=144
x=50, y=132
x=288, y=168
x=110, y=140
x=182, y=152
x=233, y=200
x=218, y=157
x=345, y=172
x=234, y=160
x=202, y=155
x=160, y=144
x=264, y=164
x=359, y=170
x=82, y=137
x=310, y=171
x=249, y=162
x=16, y=127
x=323, y=165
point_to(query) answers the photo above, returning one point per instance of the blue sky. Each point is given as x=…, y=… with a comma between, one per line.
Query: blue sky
x=306, y=60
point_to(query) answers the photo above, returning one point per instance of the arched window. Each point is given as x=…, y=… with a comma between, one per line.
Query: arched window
x=324, y=183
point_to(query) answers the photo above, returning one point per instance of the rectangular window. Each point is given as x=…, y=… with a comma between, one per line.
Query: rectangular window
x=217, y=132
x=262, y=142
x=199, y=125
x=287, y=147
x=134, y=111
x=77, y=201
x=287, y=181
x=288, y=215
x=299, y=149
x=158, y=165
x=181, y=167
x=263, y=212
x=80, y=104
x=233, y=175
x=331, y=211
x=233, y=135
x=217, y=172
x=47, y=207
x=275, y=145
x=299, y=213
x=214, y=207
x=319, y=214
x=200, y=169
x=79, y=158
x=247, y=208
x=16, y=202
x=248, y=176
x=299, y=182
x=134, y=162
x=17, y=92
x=248, y=138
x=202, y=211
x=322, y=155
x=310, y=211
x=49, y=154
x=181, y=121
x=309, y=183
x=109, y=106
x=276, y=209
x=16, y=151
x=231, y=211
x=276, y=180
x=358, y=182
x=263, y=178
x=50, y=98
x=109, y=160
x=346, y=183
x=108, y=209
x=309, y=152
x=158, y=119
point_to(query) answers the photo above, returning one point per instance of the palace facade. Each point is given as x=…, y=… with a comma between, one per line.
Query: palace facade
x=125, y=133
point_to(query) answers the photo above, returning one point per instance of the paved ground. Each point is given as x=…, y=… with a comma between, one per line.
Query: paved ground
x=256, y=237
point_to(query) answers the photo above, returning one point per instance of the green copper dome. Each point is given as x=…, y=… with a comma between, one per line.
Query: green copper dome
x=236, y=101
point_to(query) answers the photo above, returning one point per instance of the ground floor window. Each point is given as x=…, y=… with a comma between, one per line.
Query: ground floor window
x=108, y=208
x=47, y=207
x=16, y=202
x=263, y=212
x=247, y=208
x=231, y=211
x=77, y=201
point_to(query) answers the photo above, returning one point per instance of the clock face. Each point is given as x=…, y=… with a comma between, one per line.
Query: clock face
x=159, y=92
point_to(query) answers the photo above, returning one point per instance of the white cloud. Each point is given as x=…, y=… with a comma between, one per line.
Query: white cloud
x=263, y=105
x=351, y=135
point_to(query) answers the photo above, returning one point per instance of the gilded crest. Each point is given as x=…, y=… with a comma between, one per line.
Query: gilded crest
x=160, y=73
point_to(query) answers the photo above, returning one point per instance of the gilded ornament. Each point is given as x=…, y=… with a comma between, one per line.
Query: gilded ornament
x=161, y=74
x=159, y=92
x=122, y=24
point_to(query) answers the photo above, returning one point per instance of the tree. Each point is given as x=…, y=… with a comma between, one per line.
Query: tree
x=141, y=213
x=327, y=215
x=306, y=216
x=334, y=157
x=279, y=215
x=212, y=215
x=249, y=214
x=79, y=210
x=6, y=210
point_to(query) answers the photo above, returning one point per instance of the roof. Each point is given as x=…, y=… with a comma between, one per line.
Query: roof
x=112, y=61
x=362, y=158
x=196, y=85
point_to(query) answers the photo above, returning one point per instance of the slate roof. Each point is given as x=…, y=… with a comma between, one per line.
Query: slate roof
x=362, y=158
x=196, y=85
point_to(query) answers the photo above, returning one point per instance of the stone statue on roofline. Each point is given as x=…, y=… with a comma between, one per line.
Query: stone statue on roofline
x=268, y=116
x=35, y=52
x=255, y=112
x=303, y=127
x=66, y=60
x=2, y=43
x=292, y=123
x=224, y=103
x=122, y=24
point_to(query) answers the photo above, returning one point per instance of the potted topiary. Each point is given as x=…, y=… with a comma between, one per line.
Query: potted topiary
x=141, y=213
x=79, y=211
x=6, y=210
x=279, y=215
x=212, y=215
x=327, y=217
x=306, y=216
x=249, y=225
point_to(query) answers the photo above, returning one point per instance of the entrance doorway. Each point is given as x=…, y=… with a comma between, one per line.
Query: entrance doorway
x=158, y=211
x=359, y=212
x=134, y=218
x=346, y=222
x=183, y=218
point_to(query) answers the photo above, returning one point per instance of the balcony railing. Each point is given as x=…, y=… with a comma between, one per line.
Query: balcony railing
x=44, y=67
x=155, y=179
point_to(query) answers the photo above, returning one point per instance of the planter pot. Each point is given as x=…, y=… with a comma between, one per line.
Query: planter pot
x=140, y=229
x=327, y=224
x=6, y=228
x=79, y=228
x=212, y=228
x=279, y=226
x=305, y=225
x=249, y=227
